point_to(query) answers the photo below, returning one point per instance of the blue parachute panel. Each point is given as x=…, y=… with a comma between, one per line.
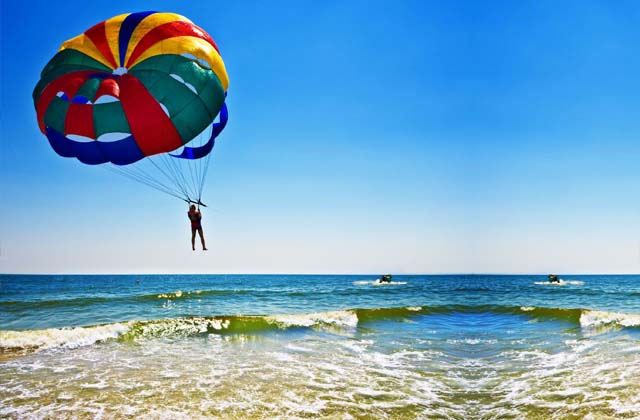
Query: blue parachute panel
x=192, y=153
x=121, y=152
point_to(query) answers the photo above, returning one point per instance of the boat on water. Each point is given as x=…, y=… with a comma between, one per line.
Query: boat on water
x=385, y=278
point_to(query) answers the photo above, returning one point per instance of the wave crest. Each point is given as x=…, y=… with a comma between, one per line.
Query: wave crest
x=601, y=318
x=71, y=337
x=61, y=337
x=334, y=318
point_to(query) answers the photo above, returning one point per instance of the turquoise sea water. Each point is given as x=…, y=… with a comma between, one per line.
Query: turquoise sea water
x=291, y=346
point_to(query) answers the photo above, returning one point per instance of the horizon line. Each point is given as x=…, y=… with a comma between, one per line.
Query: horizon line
x=315, y=274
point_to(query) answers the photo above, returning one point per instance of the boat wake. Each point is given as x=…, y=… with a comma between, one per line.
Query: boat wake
x=378, y=283
x=560, y=283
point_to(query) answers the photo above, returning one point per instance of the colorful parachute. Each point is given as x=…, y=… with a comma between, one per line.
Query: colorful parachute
x=133, y=87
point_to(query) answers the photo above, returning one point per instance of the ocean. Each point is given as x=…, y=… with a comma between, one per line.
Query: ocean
x=319, y=347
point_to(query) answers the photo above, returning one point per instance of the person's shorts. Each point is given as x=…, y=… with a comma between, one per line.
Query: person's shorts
x=196, y=228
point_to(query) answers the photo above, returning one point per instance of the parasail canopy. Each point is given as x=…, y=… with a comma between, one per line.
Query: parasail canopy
x=138, y=87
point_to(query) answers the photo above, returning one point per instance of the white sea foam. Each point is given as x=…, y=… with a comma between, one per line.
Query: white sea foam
x=600, y=318
x=336, y=318
x=267, y=380
x=97, y=385
x=296, y=348
x=587, y=377
x=73, y=337
x=62, y=337
x=283, y=357
x=181, y=326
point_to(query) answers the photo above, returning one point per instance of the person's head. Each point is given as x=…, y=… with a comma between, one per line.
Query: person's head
x=192, y=207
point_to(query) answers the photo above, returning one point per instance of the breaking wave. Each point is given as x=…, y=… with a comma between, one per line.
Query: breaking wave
x=71, y=337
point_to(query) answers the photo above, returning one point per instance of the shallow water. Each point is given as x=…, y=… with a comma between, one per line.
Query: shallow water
x=450, y=347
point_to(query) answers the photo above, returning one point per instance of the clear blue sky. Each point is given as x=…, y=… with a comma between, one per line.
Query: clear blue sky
x=364, y=136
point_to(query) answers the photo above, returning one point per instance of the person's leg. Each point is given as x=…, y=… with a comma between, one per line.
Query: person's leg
x=193, y=239
x=204, y=248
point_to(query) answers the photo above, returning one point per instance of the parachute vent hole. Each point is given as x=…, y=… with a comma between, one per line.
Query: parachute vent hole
x=199, y=61
x=80, y=138
x=181, y=80
x=111, y=137
x=164, y=108
x=104, y=99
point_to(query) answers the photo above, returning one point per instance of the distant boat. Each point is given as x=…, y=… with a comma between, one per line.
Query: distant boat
x=553, y=278
x=385, y=278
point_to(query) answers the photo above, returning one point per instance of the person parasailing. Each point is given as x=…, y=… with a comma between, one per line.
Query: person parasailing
x=141, y=94
x=195, y=217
